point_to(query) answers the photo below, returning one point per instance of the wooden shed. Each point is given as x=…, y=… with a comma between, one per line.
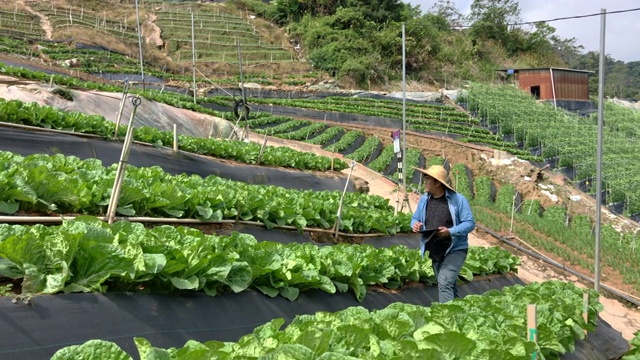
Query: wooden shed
x=553, y=83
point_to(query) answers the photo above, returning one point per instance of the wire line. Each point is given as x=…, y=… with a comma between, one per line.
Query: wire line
x=562, y=18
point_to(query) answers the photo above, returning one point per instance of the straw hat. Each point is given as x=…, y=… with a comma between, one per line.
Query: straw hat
x=439, y=173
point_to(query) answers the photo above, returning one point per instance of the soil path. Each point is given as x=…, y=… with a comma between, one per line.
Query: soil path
x=621, y=317
x=44, y=21
x=154, y=36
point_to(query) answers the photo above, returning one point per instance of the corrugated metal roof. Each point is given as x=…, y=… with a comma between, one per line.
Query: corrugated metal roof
x=553, y=68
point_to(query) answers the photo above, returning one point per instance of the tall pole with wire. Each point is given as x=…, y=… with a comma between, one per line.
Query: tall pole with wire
x=404, y=112
x=140, y=45
x=193, y=62
x=603, y=22
x=404, y=124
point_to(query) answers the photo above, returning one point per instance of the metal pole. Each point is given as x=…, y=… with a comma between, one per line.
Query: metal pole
x=553, y=88
x=404, y=115
x=121, y=109
x=193, y=63
x=603, y=23
x=244, y=99
x=124, y=158
x=140, y=45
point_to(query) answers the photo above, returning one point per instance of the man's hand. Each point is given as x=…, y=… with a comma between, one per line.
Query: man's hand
x=417, y=226
x=443, y=231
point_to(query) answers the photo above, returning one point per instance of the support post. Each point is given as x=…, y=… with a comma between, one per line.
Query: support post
x=599, y=149
x=122, y=165
x=193, y=62
x=339, y=215
x=532, y=326
x=175, y=137
x=585, y=308
x=264, y=144
x=125, y=91
x=140, y=45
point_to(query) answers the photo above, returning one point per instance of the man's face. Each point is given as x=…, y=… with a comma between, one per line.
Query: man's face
x=431, y=184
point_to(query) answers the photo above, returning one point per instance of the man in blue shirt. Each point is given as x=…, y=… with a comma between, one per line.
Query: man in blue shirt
x=444, y=219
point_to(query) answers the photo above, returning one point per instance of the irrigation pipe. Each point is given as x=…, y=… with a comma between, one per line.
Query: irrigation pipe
x=617, y=293
x=60, y=219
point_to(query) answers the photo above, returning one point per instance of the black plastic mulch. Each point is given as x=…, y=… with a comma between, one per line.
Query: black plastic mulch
x=48, y=323
x=355, y=145
x=334, y=139
x=374, y=155
x=26, y=142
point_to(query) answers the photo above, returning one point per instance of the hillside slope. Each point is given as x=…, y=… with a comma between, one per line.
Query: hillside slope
x=481, y=160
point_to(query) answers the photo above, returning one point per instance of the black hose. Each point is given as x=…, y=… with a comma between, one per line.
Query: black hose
x=608, y=289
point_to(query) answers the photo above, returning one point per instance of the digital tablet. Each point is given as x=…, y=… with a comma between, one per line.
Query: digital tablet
x=428, y=231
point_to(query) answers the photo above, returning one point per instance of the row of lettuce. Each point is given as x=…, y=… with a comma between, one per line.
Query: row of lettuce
x=46, y=184
x=33, y=114
x=58, y=185
x=488, y=326
x=86, y=254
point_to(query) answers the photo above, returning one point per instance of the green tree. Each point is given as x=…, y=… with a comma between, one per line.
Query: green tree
x=566, y=49
x=493, y=19
x=448, y=10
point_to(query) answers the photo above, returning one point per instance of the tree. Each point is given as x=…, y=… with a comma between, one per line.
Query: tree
x=566, y=49
x=447, y=9
x=493, y=20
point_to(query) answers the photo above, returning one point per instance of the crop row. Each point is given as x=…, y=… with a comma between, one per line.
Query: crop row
x=15, y=111
x=569, y=139
x=44, y=184
x=573, y=235
x=468, y=132
x=489, y=326
x=232, y=57
x=201, y=15
x=184, y=27
x=370, y=108
x=91, y=254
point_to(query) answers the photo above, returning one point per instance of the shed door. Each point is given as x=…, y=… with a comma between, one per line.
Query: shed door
x=535, y=91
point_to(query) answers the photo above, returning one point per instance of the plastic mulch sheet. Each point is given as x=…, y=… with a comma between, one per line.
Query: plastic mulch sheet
x=26, y=142
x=37, y=330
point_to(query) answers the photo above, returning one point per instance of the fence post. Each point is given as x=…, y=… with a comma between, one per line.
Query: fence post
x=532, y=325
x=585, y=308
x=175, y=137
x=264, y=144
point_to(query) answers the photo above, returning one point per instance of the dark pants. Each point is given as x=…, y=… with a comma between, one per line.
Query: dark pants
x=447, y=272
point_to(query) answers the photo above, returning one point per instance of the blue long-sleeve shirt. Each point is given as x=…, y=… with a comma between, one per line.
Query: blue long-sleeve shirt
x=463, y=221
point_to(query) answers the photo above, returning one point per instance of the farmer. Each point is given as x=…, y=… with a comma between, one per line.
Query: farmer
x=444, y=219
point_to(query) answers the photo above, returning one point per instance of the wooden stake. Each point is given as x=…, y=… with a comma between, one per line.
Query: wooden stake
x=585, y=308
x=532, y=325
x=175, y=137
x=264, y=143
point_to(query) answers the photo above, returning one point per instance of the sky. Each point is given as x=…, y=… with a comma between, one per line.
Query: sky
x=622, y=39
